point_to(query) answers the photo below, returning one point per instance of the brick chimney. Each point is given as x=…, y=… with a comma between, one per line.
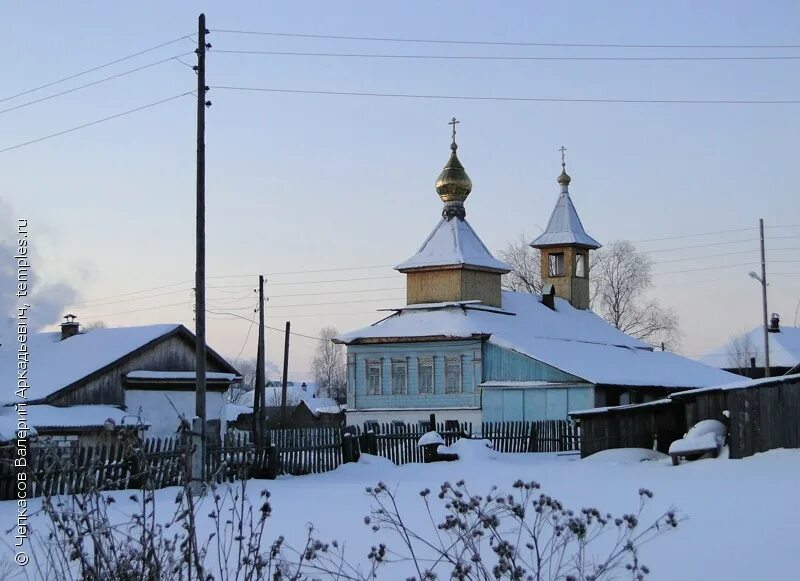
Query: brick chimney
x=69, y=327
x=775, y=323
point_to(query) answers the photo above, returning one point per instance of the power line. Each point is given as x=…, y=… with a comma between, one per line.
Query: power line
x=265, y=326
x=683, y=259
x=103, y=120
x=517, y=99
x=97, y=68
x=93, y=83
x=720, y=266
x=695, y=235
x=273, y=307
x=246, y=337
x=509, y=58
x=693, y=246
x=502, y=43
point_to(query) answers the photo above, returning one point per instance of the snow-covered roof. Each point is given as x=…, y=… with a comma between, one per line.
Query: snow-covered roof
x=784, y=349
x=575, y=341
x=741, y=384
x=453, y=243
x=48, y=416
x=619, y=408
x=565, y=226
x=180, y=375
x=55, y=364
x=294, y=395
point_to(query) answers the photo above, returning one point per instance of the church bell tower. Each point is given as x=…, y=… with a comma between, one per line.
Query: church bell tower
x=565, y=248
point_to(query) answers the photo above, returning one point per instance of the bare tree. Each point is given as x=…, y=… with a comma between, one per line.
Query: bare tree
x=525, y=263
x=740, y=350
x=237, y=393
x=94, y=325
x=620, y=279
x=329, y=366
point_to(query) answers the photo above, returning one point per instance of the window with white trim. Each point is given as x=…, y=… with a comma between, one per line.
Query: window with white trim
x=399, y=377
x=373, y=377
x=426, y=375
x=452, y=375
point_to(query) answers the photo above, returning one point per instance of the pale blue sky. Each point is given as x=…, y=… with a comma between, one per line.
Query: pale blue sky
x=303, y=182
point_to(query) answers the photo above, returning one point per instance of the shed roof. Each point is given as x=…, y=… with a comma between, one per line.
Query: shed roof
x=56, y=364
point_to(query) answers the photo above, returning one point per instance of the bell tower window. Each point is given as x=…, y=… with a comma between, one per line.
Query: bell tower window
x=555, y=264
x=580, y=265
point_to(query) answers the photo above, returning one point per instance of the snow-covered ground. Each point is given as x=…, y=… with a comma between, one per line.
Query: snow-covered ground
x=742, y=516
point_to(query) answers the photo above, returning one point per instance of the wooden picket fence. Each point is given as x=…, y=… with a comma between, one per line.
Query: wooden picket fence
x=307, y=450
x=398, y=441
x=161, y=462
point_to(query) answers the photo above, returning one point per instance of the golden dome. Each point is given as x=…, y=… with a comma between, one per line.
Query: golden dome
x=564, y=178
x=453, y=184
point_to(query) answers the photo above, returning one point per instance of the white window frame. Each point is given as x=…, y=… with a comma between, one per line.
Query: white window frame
x=372, y=389
x=397, y=388
x=457, y=385
x=426, y=362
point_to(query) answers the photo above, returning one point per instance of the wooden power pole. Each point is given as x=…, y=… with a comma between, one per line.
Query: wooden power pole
x=764, y=298
x=258, y=396
x=199, y=424
x=285, y=375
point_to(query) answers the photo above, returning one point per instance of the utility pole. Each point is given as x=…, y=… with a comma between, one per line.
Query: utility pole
x=258, y=397
x=199, y=424
x=285, y=375
x=764, y=298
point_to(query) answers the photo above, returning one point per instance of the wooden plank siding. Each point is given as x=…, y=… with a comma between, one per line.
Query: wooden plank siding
x=642, y=426
x=176, y=352
x=501, y=364
x=469, y=351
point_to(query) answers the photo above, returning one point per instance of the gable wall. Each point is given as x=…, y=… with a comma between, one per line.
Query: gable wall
x=501, y=364
x=172, y=354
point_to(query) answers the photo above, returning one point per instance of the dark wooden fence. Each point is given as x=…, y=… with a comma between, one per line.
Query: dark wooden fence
x=307, y=450
x=398, y=441
x=161, y=462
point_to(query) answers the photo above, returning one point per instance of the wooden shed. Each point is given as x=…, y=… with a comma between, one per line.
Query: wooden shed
x=647, y=425
x=764, y=414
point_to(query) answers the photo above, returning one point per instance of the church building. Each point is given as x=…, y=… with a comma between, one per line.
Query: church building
x=467, y=350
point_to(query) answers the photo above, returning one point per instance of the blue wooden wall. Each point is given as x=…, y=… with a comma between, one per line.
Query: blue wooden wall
x=471, y=372
x=535, y=403
x=501, y=364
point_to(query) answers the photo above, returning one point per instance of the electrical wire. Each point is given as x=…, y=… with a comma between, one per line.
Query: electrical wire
x=685, y=258
x=508, y=58
x=501, y=43
x=103, y=120
x=93, y=83
x=518, y=99
x=247, y=336
x=265, y=326
x=93, y=69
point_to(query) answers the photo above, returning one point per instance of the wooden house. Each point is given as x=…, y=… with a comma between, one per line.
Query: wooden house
x=145, y=372
x=744, y=354
x=466, y=350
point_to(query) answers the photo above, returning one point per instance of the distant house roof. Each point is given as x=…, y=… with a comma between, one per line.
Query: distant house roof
x=784, y=349
x=453, y=243
x=575, y=341
x=564, y=226
x=57, y=364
